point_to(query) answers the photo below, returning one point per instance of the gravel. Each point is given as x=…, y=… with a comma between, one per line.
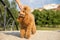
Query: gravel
x=39, y=35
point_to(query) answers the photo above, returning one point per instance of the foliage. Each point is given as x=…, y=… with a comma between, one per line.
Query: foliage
x=47, y=17
x=13, y=8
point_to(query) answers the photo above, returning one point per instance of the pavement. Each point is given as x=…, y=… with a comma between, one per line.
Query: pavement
x=39, y=35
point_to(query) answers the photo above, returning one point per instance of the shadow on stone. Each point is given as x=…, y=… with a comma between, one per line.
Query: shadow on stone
x=17, y=34
x=58, y=31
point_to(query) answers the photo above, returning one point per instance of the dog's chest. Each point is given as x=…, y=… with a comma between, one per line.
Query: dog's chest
x=26, y=20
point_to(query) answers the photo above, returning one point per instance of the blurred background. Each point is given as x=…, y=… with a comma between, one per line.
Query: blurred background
x=46, y=12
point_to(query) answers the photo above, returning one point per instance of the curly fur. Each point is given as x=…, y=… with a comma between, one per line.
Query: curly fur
x=27, y=22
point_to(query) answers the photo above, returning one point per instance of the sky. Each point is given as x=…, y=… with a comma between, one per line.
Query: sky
x=38, y=3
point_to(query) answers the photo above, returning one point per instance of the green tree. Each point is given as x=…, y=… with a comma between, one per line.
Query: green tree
x=12, y=7
x=47, y=17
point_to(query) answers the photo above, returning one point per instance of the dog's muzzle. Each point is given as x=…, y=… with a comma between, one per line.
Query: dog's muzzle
x=21, y=16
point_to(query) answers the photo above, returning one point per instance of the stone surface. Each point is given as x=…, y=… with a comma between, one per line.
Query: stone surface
x=40, y=35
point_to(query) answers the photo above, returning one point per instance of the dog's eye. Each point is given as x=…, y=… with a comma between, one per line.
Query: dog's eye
x=24, y=8
x=23, y=11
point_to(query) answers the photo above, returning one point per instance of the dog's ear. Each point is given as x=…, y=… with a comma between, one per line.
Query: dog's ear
x=26, y=9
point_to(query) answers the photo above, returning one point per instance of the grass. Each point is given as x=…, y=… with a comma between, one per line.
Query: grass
x=0, y=29
x=42, y=28
x=47, y=28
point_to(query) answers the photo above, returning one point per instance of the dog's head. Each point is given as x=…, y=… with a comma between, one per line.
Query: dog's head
x=26, y=9
x=23, y=12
